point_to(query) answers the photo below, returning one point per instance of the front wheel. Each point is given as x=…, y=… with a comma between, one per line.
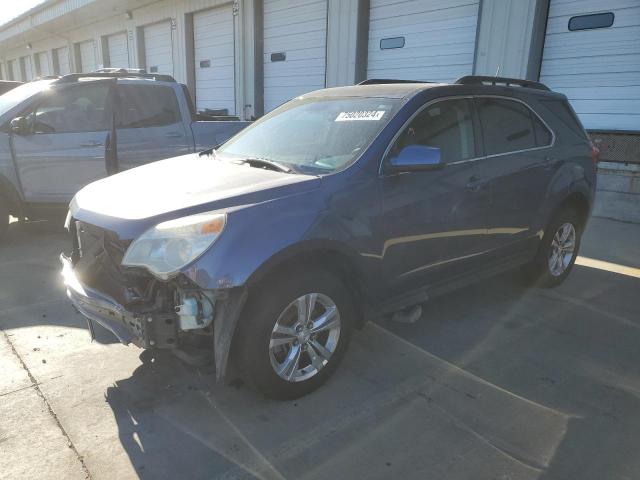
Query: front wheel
x=294, y=332
x=558, y=250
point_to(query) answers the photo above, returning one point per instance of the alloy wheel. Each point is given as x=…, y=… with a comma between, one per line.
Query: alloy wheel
x=562, y=248
x=304, y=337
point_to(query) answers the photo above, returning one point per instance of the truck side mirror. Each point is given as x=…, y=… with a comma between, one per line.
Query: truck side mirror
x=21, y=126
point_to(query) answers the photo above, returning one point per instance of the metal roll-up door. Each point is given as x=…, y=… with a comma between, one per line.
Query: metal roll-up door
x=14, y=70
x=87, y=57
x=592, y=55
x=43, y=64
x=62, y=57
x=118, y=49
x=295, y=45
x=28, y=68
x=158, y=48
x=422, y=40
x=214, y=37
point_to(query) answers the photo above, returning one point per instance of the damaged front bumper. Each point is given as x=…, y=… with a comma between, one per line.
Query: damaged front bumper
x=153, y=328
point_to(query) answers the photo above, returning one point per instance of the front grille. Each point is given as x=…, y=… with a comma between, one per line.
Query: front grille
x=97, y=259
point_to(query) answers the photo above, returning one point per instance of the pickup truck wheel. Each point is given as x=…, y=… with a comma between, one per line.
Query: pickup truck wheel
x=294, y=332
x=558, y=250
x=4, y=217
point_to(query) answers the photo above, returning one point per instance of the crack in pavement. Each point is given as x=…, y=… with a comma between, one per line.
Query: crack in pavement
x=36, y=387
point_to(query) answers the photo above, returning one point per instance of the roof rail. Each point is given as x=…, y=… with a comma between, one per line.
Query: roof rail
x=116, y=73
x=508, y=82
x=385, y=81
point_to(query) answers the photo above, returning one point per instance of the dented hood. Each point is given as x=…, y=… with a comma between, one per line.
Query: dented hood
x=179, y=183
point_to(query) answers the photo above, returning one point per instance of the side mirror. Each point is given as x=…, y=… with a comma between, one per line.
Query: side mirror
x=416, y=157
x=20, y=126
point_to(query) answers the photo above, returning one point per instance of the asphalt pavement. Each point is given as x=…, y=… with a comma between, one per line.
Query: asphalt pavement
x=495, y=381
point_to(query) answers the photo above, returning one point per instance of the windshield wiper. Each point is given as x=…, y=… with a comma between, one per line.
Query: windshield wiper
x=267, y=164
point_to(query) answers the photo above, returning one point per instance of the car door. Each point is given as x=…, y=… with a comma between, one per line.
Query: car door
x=150, y=125
x=516, y=169
x=434, y=220
x=64, y=148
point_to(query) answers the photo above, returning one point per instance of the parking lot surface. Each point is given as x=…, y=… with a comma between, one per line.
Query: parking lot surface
x=495, y=381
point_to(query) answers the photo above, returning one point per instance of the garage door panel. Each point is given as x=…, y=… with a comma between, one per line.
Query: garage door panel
x=439, y=39
x=603, y=121
x=299, y=30
x=87, y=56
x=158, y=48
x=598, y=69
x=581, y=7
x=118, y=49
x=214, y=49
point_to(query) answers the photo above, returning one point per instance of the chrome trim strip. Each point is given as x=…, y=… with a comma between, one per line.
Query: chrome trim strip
x=474, y=159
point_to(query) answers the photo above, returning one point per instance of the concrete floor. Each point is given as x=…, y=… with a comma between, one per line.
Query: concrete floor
x=494, y=382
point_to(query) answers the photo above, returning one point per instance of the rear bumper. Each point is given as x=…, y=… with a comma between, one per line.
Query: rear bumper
x=127, y=326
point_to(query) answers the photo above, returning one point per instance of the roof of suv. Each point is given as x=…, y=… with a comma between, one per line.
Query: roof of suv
x=384, y=88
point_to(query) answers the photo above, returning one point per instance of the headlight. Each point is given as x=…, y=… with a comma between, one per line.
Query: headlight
x=169, y=246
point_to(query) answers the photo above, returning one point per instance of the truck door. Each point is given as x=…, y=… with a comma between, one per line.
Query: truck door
x=150, y=125
x=63, y=148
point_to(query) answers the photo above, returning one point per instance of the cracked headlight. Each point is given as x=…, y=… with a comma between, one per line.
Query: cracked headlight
x=170, y=246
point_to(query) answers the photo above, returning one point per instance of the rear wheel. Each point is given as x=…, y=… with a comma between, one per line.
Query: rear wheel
x=294, y=332
x=558, y=250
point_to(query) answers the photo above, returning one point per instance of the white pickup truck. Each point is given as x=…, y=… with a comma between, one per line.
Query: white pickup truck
x=57, y=135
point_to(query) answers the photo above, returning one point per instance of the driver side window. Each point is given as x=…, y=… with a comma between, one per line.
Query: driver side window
x=80, y=108
x=446, y=125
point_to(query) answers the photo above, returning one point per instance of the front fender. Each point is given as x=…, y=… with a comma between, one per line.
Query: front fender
x=252, y=236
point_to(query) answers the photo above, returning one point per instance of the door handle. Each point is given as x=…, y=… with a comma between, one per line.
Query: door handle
x=92, y=144
x=474, y=183
x=173, y=135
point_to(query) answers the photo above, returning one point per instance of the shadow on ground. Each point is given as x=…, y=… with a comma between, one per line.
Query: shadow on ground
x=495, y=381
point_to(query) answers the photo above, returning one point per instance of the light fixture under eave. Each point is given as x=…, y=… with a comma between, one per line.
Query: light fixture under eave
x=128, y=15
x=29, y=46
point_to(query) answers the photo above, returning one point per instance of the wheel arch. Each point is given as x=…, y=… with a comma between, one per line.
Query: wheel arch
x=577, y=201
x=330, y=256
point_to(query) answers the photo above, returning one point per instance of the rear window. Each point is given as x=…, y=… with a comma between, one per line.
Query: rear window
x=147, y=106
x=506, y=124
x=564, y=114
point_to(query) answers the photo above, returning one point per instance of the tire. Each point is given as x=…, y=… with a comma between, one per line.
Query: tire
x=549, y=268
x=262, y=351
x=4, y=217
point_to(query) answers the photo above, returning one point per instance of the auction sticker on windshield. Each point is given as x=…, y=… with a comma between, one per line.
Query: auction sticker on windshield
x=361, y=115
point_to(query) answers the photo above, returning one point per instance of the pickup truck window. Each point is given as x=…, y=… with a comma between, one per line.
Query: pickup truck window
x=144, y=106
x=19, y=94
x=78, y=108
x=314, y=135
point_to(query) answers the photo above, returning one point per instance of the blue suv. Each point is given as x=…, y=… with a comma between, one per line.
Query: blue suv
x=340, y=205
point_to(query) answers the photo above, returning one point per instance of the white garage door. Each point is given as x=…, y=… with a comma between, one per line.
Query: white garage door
x=597, y=68
x=62, y=56
x=158, y=48
x=295, y=44
x=44, y=67
x=213, y=33
x=28, y=69
x=3, y=72
x=422, y=40
x=87, y=57
x=14, y=70
x=118, y=50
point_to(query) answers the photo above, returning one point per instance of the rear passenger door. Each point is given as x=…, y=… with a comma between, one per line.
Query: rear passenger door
x=150, y=125
x=517, y=170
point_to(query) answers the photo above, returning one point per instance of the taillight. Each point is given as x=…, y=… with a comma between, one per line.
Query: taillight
x=595, y=154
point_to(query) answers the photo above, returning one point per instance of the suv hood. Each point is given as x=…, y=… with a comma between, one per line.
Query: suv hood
x=179, y=183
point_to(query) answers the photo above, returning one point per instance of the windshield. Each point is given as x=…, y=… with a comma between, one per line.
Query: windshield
x=314, y=135
x=20, y=94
